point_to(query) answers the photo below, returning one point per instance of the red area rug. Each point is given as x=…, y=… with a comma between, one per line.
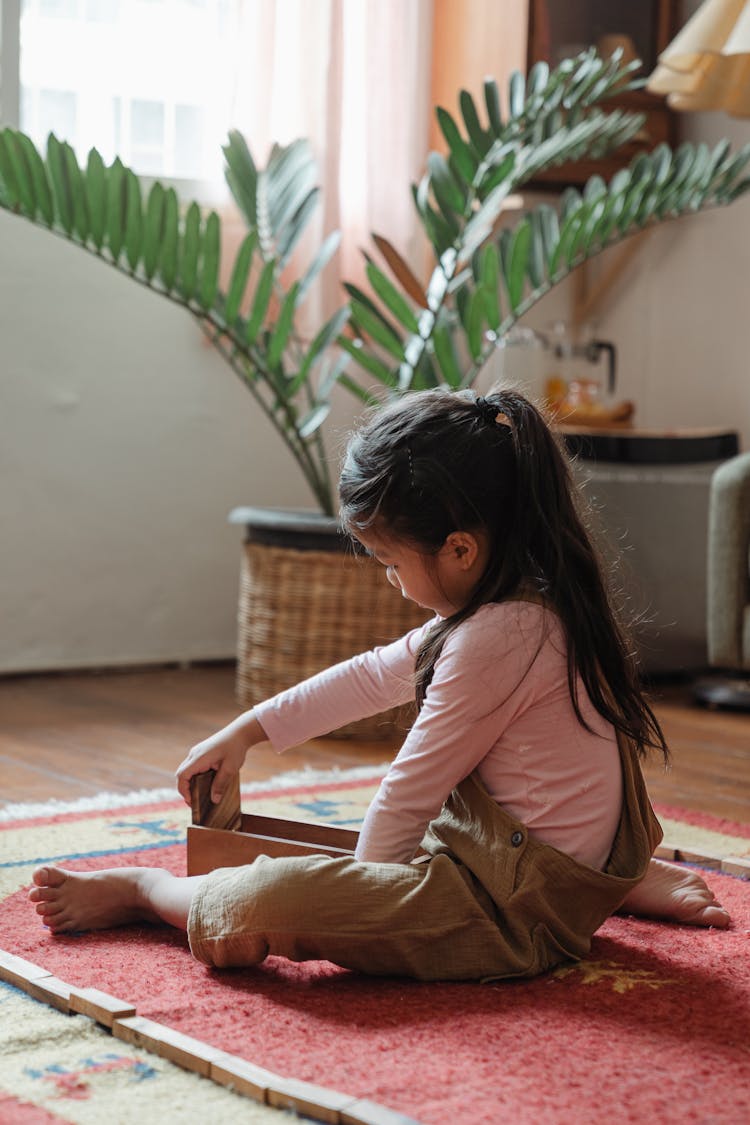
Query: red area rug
x=654, y=1025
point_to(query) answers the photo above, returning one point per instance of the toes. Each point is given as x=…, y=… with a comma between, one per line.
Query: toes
x=41, y=894
x=47, y=909
x=702, y=910
x=715, y=915
x=56, y=923
x=49, y=877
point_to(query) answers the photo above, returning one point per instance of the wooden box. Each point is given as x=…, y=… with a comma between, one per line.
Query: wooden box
x=223, y=836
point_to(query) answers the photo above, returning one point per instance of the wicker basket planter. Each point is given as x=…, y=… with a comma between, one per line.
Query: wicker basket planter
x=306, y=602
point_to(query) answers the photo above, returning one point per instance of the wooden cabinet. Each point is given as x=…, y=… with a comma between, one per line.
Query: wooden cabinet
x=558, y=29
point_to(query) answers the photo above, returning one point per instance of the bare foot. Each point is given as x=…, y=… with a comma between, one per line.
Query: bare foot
x=675, y=894
x=93, y=900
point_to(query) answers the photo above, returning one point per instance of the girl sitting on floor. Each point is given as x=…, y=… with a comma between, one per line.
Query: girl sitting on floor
x=520, y=777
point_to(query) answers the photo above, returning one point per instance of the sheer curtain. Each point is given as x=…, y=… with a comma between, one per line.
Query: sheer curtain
x=353, y=76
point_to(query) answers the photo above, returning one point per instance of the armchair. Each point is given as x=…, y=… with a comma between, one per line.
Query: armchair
x=728, y=586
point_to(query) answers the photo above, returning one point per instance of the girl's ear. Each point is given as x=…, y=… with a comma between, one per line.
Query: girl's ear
x=463, y=549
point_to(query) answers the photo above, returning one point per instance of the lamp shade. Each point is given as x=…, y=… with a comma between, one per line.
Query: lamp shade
x=707, y=65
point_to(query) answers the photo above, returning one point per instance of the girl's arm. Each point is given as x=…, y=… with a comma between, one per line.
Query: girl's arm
x=354, y=689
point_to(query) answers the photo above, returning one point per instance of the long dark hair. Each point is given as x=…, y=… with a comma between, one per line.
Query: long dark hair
x=434, y=462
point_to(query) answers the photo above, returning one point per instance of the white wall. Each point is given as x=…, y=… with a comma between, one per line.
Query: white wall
x=125, y=440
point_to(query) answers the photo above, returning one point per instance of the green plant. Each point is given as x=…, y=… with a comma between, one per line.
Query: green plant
x=484, y=278
x=401, y=335
x=174, y=248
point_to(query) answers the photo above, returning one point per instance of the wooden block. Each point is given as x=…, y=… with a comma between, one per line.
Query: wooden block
x=307, y=1099
x=19, y=971
x=53, y=991
x=242, y=1076
x=736, y=865
x=139, y=1031
x=665, y=851
x=34, y=980
x=702, y=858
x=226, y=814
x=99, y=1006
x=365, y=1112
x=181, y=1049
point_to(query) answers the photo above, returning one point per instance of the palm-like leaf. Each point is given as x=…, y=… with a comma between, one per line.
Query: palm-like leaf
x=401, y=334
x=484, y=279
x=176, y=251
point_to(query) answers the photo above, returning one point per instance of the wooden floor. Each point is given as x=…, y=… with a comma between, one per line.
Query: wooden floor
x=70, y=736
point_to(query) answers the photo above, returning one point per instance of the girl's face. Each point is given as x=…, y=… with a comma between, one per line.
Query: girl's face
x=443, y=582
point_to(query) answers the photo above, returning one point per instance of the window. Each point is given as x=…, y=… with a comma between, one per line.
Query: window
x=151, y=81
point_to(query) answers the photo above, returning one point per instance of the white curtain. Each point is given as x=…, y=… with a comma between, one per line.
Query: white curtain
x=353, y=76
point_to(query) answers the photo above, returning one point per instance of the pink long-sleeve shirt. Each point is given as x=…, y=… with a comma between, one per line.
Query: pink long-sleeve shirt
x=498, y=703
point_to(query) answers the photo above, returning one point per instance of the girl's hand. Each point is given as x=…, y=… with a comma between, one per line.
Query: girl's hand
x=224, y=752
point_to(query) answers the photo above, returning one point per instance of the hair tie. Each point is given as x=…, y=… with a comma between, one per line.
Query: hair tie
x=489, y=413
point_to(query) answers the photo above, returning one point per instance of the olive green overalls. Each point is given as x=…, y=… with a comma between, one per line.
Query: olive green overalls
x=490, y=901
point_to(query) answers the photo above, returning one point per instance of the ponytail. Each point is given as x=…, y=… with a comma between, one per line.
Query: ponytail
x=568, y=571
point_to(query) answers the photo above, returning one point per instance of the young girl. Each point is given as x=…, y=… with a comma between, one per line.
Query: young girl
x=514, y=819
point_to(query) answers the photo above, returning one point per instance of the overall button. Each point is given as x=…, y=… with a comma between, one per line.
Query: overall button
x=516, y=839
